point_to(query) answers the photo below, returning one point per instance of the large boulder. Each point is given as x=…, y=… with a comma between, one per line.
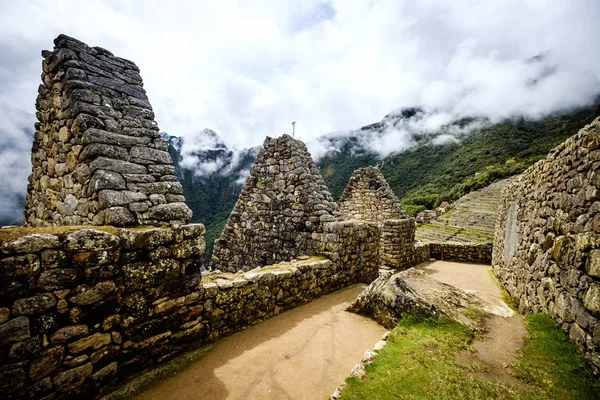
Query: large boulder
x=392, y=296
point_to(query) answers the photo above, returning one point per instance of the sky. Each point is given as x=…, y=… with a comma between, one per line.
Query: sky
x=247, y=69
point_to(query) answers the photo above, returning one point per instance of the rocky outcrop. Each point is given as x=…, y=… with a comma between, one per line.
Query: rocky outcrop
x=283, y=203
x=547, y=242
x=393, y=296
x=369, y=197
x=98, y=157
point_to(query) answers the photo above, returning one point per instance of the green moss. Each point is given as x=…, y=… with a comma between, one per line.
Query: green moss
x=9, y=234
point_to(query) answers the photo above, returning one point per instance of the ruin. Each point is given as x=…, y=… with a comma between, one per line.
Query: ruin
x=284, y=202
x=97, y=155
x=369, y=197
x=547, y=243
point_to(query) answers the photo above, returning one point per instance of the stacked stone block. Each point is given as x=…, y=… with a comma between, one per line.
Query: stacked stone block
x=369, y=197
x=397, y=243
x=84, y=310
x=97, y=155
x=283, y=203
x=547, y=242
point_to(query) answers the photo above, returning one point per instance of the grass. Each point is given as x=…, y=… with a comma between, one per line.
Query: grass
x=419, y=363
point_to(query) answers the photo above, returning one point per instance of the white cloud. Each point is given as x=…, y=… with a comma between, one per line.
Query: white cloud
x=247, y=69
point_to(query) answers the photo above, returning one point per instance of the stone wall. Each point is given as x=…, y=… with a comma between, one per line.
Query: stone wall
x=547, y=243
x=369, y=197
x=81, y=311
x=397, y=243
x=283, y=203
x=97, y=155
x=464, y=252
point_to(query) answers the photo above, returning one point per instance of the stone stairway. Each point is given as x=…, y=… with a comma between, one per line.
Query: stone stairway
x=470, y=220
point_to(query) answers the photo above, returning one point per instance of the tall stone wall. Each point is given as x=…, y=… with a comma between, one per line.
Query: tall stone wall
x=97, y=155
x=283, y=203
x=84, y=310
x=397, y=243
x=369, y=197
x=547, y=244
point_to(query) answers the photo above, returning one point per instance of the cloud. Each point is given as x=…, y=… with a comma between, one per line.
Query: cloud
x=248, y=69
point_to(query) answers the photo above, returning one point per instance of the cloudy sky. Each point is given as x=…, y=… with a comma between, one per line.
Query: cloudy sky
x=247, y=69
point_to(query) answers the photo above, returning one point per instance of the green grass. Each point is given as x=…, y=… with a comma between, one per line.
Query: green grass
x=419, y=363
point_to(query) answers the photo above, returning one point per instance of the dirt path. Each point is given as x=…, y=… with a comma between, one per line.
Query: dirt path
x=304, y=353
x=504, y=336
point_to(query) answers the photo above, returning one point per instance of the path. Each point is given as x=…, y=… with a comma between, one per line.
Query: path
x=498, y=348
x=304, y=353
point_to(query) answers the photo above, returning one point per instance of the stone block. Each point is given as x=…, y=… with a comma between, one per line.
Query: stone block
x=34, y=305
x=15, y=330
x=31, y=244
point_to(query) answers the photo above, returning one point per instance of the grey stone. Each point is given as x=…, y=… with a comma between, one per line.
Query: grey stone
x=90, y=240
x=119, y=216
x=68, y=332
x=94, y=135
x=19, y=265
x=31, y=244
x=86, y=295
x=34, y=305
x=15, y=330
x=94, y=150
x=55, y=279
x=171, y=211
x=107, y=180
x=94, y=342
x=110, y=198
x=122, y=167
x=47, y=363
x=65, y=381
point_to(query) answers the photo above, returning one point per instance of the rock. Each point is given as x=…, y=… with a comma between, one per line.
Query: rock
x=172, y=211
x=26, y=349
x=94, y=135
x=110, y=198
x=105, y=373
x=90, y=240
x=122, y=167
x=591, y=299
x=12, y=378
x=107, y=180
x=65, y=381
x=4, y=314
x=86, y=295
x=55, y=279
x=392, y=296
x=147, y=238
x=592, y=265
x=94, y=342
x=14, y=330
x=34, y=305
x=31, y=244
x=47, y=363
x=16, y=266
x=68, y=332
x=146, y=155
x=119, y=216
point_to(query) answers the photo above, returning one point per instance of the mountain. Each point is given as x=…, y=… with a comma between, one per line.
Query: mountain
x=212, y=176
x=424, y=167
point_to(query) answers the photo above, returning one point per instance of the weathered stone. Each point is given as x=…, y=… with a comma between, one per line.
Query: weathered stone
x=94, y=342
x=55, y=279
x=94, y=150
x=148, y=155
x=26, y=349
x=16, y=266
x=4, y=314
x=65, y=381
x=158, y=188
x=93, y=135
x=591, y=299
x=118, y=216
x=107, y=180
x=147, y=238
x=110, y=198
x=34, y=305
x=90, y=240
x=12, y=378
x=86, y=295
x=172, y=211
x=68, y=332
x=47, y=363
x=31, y=244
x=105, y=373
x=14, y=330
x=119, y=166
x=592, y=265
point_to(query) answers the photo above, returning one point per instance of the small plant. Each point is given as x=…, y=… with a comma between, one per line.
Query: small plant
x=263, y=181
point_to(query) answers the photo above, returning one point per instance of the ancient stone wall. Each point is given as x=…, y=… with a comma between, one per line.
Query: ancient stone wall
x=83, y=310
x=283, y=203
x=97, y=155
x=369, y=197
x=397, y=243
x=464, y=252
x=547, y=243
